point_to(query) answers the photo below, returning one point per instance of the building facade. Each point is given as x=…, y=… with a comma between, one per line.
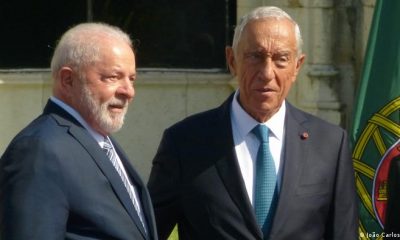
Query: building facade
x=335, y=34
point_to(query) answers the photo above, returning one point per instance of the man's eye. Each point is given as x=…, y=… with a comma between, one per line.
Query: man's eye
x=111, y=78
x=282, y=60
x=253, y=56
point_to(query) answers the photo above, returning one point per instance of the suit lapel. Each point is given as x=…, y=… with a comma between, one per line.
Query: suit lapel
x=229, y=170
x=295, y=149
x=144, y=197
x=99, y=157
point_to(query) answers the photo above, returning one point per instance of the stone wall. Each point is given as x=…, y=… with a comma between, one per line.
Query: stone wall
x=335, y=34
x=163, y=97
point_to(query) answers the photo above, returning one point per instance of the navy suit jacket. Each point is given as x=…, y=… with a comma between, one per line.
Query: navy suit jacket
x=196, y=182
x=57, y=183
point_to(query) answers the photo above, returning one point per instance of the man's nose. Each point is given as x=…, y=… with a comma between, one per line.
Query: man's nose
x=126, y=89
x=267, y=69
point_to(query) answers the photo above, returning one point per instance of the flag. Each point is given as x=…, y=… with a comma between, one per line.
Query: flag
x=375, y=131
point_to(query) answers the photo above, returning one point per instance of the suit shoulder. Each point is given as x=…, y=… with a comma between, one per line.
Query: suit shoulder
x=199, y=120
x=314, y=122
x=44, y=125
x=43, y=130
x=323, y=123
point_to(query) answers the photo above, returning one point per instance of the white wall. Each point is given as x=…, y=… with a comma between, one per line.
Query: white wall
x=335, y=33
x=162, y=98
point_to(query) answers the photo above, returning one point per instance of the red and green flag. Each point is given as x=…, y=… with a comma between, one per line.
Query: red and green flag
x=375, y=134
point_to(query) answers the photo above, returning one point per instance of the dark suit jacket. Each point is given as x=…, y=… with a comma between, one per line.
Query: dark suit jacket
x=196, y=181
x=57, y=183
x=392, y=222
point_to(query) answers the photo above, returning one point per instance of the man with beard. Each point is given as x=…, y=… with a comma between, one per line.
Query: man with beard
x=63, y=176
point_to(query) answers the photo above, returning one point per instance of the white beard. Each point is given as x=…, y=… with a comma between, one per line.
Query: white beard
x=107, y=121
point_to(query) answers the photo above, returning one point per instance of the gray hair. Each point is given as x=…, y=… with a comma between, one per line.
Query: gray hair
x=79, y=46
x=261, y=13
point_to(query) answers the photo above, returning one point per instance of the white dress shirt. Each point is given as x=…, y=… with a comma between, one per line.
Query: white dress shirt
x=247, y=144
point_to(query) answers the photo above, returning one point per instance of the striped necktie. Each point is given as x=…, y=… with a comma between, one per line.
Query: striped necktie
x=265, y=184
x=112, y=155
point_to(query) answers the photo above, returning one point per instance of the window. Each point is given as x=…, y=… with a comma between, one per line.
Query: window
x=168, y=34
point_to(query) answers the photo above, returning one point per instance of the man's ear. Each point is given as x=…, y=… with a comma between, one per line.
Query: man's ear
x=230, y=60
x=66, y=78
x=300, y=61
x=64, y=83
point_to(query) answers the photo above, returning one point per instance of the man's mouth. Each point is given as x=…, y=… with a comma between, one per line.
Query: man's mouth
x=264, y=90
x=117, y=107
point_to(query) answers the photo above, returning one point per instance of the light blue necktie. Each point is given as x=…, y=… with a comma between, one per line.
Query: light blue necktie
x=111, y=154
x=265, y=184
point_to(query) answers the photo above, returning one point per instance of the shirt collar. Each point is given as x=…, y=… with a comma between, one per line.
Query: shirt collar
x=97, y=136
x=246, y=123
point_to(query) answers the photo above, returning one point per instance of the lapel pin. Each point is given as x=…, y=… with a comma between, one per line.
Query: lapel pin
x=304, y=135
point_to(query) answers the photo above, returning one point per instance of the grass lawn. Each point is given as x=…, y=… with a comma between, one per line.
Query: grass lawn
x=174, y=234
